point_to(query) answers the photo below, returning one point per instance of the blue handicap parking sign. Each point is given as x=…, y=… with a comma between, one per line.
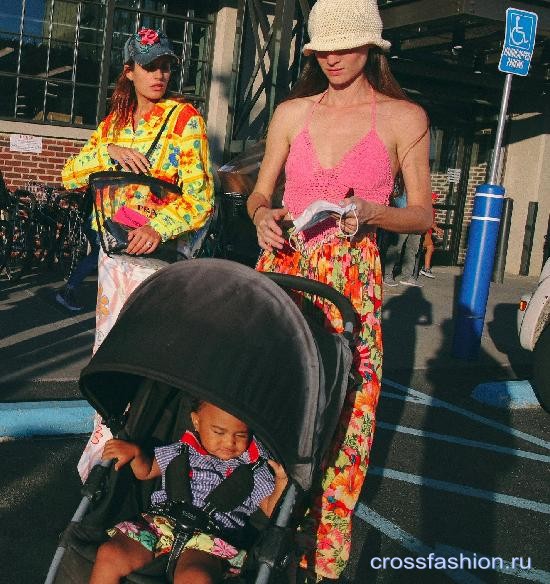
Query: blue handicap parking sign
x=519, y=42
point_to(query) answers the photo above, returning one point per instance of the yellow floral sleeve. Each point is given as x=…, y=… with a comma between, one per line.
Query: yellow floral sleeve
x=190, y=154
x=92, y=158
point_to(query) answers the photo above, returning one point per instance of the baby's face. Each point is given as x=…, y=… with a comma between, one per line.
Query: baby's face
x=221, y=434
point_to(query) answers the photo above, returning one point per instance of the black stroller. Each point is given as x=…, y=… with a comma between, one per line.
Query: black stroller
x=222, y=332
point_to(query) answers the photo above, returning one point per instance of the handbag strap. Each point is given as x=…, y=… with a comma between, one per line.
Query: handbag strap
x=157, y=137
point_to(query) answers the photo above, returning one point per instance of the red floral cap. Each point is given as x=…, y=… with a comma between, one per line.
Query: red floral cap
x=147, y=45
x=148, y=36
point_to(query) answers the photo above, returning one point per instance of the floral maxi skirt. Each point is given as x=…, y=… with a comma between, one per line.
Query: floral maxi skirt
x=354, y=270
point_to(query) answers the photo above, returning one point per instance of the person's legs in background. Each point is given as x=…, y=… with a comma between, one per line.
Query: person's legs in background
x=429, y=248
x=394, y=248
x=67, y=295
x=408, y=276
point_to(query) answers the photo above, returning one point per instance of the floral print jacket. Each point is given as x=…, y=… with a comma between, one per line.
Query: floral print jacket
x=180, y=157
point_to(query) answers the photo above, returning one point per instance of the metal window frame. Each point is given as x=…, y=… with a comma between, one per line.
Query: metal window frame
x=274, y=66
x=107, y=12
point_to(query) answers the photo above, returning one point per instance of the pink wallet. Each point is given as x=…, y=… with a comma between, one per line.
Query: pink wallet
x=129, y=217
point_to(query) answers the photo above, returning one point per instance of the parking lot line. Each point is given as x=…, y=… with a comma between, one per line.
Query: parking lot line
x=507, y=568
x=409, y=542
x=463, y=441
x=438, y=403
x=458, y=489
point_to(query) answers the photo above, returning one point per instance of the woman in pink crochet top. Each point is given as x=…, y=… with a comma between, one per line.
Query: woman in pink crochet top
x=345, y=132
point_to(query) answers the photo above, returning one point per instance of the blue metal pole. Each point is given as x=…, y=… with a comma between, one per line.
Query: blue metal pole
x=480, y=257
x=478, y=269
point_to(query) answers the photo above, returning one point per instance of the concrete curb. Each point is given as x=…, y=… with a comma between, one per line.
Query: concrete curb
x=45, y=418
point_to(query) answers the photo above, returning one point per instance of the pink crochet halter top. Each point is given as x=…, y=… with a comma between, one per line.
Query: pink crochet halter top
x=365, y=168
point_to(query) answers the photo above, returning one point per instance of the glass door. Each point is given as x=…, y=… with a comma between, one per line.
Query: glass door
x=450, y=155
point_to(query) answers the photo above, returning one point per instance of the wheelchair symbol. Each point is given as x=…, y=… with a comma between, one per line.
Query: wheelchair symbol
x=517, y=34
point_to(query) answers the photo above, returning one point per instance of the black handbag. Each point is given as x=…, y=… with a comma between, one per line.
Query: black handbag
x=110, y=191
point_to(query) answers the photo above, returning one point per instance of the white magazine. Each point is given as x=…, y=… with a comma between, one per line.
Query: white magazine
x=319, y=211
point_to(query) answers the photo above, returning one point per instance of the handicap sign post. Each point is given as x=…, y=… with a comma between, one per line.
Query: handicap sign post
x=519, y=42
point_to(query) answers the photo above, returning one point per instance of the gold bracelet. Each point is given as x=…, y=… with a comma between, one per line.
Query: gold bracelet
x=256, y=210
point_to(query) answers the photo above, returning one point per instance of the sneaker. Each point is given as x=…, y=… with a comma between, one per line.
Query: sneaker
x=390, y=282
x=427, y=272
x=411, y=282
x=66, y=297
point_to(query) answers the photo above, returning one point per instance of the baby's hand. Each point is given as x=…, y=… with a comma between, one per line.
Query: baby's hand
x=121, y=451
x=278, y=470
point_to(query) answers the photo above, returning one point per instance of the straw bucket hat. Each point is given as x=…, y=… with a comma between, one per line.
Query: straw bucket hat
x=335, y=25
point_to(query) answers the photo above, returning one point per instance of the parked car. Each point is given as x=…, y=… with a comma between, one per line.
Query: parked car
x=533, y=321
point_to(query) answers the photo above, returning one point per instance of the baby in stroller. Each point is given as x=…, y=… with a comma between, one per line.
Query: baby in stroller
x=221, y=443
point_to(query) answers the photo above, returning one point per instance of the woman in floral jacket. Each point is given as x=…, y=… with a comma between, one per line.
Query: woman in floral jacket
x=139, y=109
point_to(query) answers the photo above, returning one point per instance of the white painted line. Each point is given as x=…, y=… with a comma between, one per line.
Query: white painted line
x=489, y=196
x=532, y=574
x=435, y=402
x=402, y=397
x=409, y=542
x=458, y=489
x=463, y=441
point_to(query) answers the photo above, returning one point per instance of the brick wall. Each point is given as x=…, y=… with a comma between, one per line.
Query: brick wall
x=21, y=167
x=440, y=185
x=475, y=178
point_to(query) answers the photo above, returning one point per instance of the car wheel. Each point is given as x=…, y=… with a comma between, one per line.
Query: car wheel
x=541, y=369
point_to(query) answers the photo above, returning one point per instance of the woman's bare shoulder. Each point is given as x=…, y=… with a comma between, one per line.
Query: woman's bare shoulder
x=402, y=107
x=403, y=117
x=290, y=115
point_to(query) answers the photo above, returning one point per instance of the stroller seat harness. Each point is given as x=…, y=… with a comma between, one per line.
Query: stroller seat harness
x=188, y=519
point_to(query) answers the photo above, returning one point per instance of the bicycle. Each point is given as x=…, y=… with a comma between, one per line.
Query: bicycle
x=72, y=243
x=42, y=225
x=16, y=246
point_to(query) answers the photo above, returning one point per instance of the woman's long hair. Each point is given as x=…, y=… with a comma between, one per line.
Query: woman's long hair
x=313, y=81
x=123, y=101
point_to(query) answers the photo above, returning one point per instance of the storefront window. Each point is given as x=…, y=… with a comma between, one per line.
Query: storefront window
x=53, y=53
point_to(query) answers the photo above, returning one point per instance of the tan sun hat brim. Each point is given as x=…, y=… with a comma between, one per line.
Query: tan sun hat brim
x=342, y=44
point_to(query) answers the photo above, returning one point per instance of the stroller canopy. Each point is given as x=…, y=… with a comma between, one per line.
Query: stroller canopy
x=227, y=334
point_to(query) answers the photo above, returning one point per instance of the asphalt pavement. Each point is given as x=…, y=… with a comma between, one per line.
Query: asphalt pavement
x=43, y=346
x=449, y=476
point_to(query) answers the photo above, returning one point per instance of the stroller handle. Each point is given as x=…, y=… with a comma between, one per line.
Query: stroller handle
x=319, y=289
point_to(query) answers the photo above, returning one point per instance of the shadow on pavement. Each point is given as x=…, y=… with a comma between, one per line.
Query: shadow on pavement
x=43, y=346
x=451, y=522
x=40, y=492
x=402, y=313
x=503, y=331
